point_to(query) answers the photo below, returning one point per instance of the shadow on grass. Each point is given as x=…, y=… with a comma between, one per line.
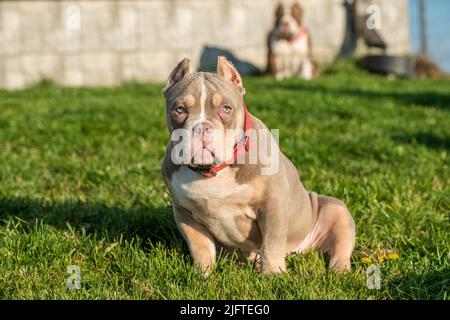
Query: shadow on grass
x=427, y=139
x=151, y=225
x=431, y=99
x=429, y=285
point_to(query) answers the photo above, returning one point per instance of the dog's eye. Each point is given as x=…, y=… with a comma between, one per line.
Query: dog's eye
x=226, y=108
x=180, y=109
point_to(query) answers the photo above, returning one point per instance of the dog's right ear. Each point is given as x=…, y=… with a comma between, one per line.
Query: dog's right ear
x=297, y=12
x=279, y=12
x=180, y=71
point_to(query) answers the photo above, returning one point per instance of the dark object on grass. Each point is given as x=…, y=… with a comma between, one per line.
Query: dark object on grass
x=420, y=67
x=427, y=69
x=384, y=64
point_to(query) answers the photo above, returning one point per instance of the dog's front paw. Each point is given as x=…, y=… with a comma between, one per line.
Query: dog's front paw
x=206, y=273
x=270, y=268
x=340, y=265
x=204, y=270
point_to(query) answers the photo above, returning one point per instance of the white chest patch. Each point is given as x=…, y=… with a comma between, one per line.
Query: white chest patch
x=292, y=58
x=215, y=202
x=298, y=47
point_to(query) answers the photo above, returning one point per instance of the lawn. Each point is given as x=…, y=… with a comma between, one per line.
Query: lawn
x=80, y=184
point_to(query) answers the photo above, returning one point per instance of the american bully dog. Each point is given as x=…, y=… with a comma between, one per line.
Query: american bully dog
x=222, y=194
x=289, y=45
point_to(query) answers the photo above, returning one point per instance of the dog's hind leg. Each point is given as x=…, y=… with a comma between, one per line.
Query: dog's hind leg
x=334, y=232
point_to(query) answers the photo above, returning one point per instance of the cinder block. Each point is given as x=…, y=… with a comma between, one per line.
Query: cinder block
x=179, y=31
x=124, y=36
x=104, y=12
x=68, y=41
x=100, y=68
x=37, y=67
x=10, y=28
x=9, y=17
x=257, y=55
x=32, y=33
x=106, y=79
x=149, y=30
x=13, y=76
x=129, y=67
x=73, y=78
x=72, y=73
x=91, y=33
x=14, y=80
x=12, y=63
x=155, y=65
x=99, y=61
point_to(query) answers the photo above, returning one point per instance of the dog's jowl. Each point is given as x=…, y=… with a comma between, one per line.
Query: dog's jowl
x=223, y=198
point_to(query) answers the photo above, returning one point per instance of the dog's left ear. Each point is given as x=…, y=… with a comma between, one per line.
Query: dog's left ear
x=180, y=71
x=225, y=69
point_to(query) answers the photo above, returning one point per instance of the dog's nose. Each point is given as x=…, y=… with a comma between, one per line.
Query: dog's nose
x=202, y=128
x=285, y=26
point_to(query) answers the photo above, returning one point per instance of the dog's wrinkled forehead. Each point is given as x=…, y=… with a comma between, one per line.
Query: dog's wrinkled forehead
x=204, y=97
x=201, y=88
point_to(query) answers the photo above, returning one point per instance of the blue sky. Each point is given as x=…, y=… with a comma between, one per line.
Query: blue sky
x=438, y=30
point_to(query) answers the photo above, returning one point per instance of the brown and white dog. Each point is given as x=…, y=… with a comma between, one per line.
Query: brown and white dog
x=223, y=199
x=289, y=45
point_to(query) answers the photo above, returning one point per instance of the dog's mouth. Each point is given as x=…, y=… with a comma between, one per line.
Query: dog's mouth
x=203, y=156
x=287, y=35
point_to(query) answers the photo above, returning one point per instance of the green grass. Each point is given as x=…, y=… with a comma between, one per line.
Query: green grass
x=80, y=184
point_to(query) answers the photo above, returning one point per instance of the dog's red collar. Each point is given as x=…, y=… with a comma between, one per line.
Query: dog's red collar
x=239, y=149
x=301, y=33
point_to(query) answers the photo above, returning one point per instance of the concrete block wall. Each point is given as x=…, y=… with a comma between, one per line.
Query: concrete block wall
x=113, y=41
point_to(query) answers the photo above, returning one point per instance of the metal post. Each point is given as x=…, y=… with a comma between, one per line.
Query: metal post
x=423, y=28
